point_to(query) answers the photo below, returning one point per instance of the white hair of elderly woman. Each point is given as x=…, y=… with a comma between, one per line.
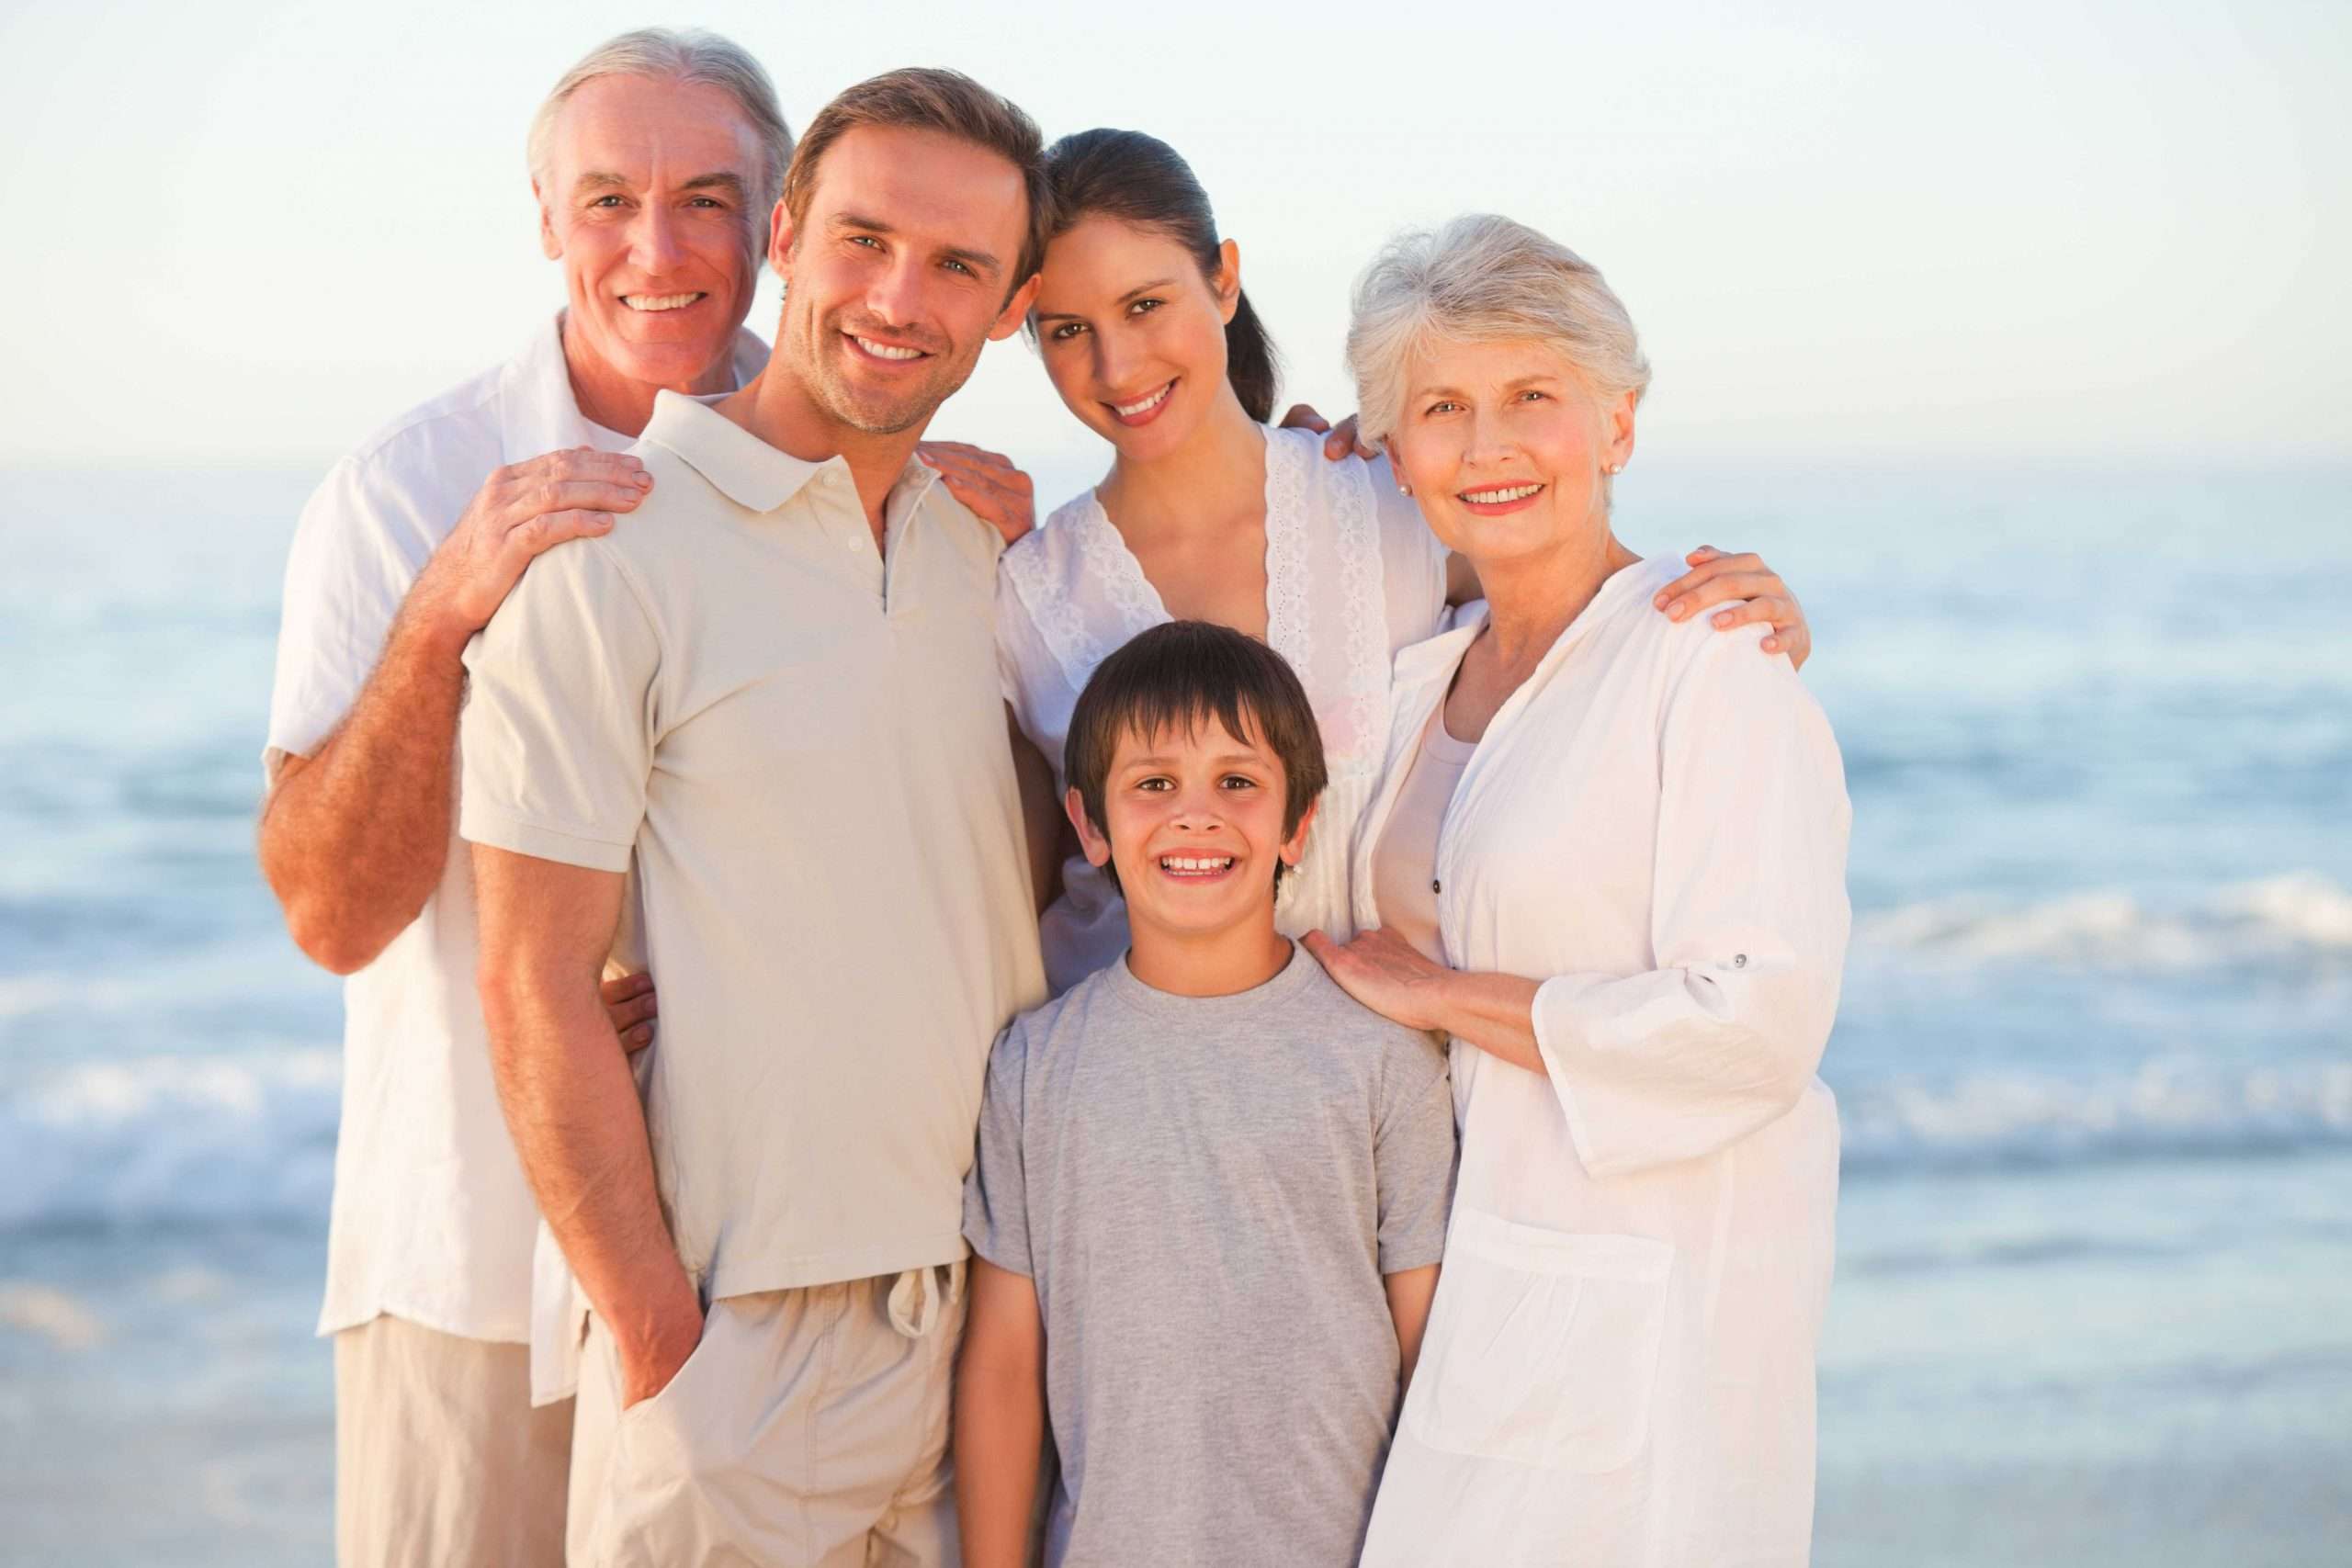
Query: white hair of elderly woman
x=1481, y=278
x=688, y=55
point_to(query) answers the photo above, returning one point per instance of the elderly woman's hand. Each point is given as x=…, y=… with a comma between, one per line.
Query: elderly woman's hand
x=1715, y=578
x=1386, y=974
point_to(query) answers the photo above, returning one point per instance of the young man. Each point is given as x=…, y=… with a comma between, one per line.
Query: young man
x=1211, y=1190
x=774, y=698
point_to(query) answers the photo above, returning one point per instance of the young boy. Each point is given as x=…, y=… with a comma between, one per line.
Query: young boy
x=1211, y=1189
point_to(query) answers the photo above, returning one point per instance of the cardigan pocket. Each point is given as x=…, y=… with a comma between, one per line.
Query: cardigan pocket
x=1542, y=1346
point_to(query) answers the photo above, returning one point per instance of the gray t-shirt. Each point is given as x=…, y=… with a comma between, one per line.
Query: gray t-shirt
x=1206, y=1191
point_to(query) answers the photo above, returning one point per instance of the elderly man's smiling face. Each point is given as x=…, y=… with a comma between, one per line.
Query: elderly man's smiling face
x=648, y=202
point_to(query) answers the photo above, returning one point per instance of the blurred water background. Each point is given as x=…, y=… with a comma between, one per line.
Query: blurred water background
x=2094, y=1303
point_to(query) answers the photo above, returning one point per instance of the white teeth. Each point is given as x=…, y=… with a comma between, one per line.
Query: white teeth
x=1495, y=497
x=1128, y=410
x=1194, y=862
x=884, y=351
x=659, y=301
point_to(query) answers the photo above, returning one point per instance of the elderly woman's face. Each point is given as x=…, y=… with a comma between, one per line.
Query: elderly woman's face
x=1504, y=446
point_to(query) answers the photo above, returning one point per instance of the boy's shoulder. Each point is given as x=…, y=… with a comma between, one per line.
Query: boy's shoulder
x=1034, y=1032
x=1337, y=1010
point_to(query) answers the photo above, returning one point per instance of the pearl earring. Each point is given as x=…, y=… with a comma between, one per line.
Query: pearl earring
x=1403, y=489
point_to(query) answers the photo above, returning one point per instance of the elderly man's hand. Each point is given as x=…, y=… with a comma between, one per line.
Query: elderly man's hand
x=997, y=494
x=1338, y=442
x=521, y=510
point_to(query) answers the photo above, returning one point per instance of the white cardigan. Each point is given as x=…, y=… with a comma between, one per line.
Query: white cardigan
x=1618, y=1369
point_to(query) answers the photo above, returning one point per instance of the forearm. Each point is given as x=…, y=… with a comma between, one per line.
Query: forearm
x=1411, y=1291
x=354, y=838
x=1494, y=1013
x=1000, y=1431
x=579, y=1128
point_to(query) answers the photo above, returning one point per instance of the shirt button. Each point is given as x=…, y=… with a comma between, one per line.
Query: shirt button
x=1433, y=885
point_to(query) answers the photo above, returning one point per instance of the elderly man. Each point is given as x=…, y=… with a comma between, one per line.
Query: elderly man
x=774, y=698
x=656, y=162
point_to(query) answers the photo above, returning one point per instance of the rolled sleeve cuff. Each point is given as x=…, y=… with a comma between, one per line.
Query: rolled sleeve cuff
x=1404, y=1257
x=984, y=1245
x=1554, y=1005
x=480, y=823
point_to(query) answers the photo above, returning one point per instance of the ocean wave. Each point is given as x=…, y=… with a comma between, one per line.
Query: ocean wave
x=2165, y=1108
x=249, y=1139
x=2300, y=920
x=171, y=1140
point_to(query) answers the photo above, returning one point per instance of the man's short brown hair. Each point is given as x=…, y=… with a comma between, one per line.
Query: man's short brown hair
x=1180, y=676
x=925, y=97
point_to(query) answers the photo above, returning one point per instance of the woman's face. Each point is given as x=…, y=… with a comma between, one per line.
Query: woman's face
x=1503, y=445
x=1132, y=334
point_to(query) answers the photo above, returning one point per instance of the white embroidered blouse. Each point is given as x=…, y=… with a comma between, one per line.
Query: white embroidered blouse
x=1353, y=574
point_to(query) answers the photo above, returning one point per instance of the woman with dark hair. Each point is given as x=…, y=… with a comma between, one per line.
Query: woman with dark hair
x=1209, y=514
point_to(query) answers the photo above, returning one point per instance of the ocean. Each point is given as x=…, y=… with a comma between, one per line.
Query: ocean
x=2094, y=1301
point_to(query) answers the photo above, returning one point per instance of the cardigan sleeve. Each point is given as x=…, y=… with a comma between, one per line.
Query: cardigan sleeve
x=1749, y=926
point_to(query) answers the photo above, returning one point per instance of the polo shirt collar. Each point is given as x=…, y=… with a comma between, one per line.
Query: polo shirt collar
x=746, y=469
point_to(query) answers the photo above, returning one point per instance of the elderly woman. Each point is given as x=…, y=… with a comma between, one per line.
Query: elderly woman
x=1607, y=859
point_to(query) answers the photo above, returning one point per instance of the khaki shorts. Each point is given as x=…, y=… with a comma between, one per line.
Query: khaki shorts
x=439, y=1456
x=808, y=1429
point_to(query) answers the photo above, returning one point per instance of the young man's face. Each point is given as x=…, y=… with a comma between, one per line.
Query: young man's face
x=1195, y=829
x=901, y=270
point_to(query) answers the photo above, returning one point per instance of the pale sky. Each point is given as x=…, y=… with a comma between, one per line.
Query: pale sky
x=247, y=232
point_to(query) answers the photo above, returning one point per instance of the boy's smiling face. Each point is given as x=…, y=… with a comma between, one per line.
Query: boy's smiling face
x=1196, y=830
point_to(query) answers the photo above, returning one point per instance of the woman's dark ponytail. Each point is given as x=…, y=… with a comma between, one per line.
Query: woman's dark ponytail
x=1140, y=179
x=1249, y=361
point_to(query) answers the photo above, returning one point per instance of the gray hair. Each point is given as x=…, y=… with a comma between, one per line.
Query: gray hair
x=1481, y=278
x=697, y=59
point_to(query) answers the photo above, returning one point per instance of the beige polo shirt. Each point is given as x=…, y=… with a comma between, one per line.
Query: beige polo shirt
x=798, y=744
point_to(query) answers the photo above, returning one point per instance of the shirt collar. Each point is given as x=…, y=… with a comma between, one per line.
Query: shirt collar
x=541, y=412
x=1439, y=655
x=746, y=469
x=538, y=411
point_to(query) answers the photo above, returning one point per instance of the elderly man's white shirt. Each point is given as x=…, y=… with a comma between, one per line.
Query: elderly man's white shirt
x=1618, y=1369
x=433, y=1221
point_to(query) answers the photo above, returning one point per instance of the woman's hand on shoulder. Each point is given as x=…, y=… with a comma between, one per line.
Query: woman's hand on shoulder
x=1339, y=441
x=1383, y=972
x=628, y=1002
x=1715, y=578
x=997, y=494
